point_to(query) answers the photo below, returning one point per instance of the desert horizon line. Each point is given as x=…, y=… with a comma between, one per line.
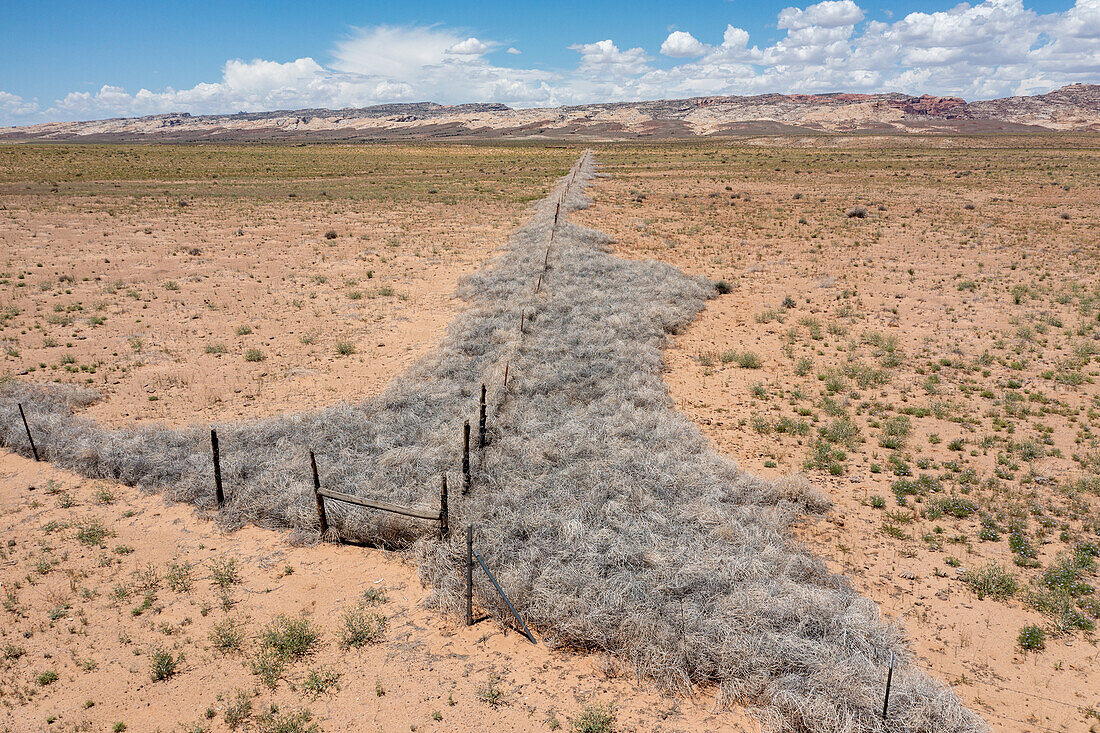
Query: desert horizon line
x=501, y=106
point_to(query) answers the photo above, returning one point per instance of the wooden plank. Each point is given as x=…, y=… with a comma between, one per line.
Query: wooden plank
x=408, y=511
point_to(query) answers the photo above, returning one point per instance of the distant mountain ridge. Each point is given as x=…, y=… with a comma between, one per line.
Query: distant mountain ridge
x=1071, y=108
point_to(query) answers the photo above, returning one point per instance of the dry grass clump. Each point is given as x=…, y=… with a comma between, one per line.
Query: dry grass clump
x=605, y=514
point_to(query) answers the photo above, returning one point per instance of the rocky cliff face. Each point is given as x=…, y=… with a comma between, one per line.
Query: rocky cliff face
x=1075, y=107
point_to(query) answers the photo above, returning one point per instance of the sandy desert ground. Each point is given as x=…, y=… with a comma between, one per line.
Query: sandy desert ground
x=911, y=322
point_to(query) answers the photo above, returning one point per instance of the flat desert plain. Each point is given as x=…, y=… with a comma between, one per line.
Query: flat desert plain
x=911, y=322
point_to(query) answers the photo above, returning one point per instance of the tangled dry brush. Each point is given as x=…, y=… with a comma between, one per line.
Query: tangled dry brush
x=608, y=519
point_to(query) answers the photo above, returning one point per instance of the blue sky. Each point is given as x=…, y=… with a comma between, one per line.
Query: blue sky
x=70, y=60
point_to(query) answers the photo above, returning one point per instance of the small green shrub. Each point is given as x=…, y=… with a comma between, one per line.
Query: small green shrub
x=958, y=507
x=320, y=681
x=228, y=635
x=359, y=627
x=268, y=666
x=991, y=580
x=164, y=665
x=224, y=572
x=594, y=718
x=180, y=578
x=290, y=638
x=1032, y=638
x=295, y=721
x=239, y=710
x=92, y=533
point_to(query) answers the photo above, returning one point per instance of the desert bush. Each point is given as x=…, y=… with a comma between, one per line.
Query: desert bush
x=228, y=635
x=594, y=718
x=359, y=627
x=290, y=638
x=991, y=580
x=295, y=721
x=958, y=507
x=1032, y=638
x=238, y=710
x=224, y=572
x=856, y=212
x=93, y=532
x=179, y=577
x=164, y=664
x=319, y=681
x=269, y=666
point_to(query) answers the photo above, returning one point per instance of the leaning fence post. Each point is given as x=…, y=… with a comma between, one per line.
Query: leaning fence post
x=218, y=495
x=444, y=518
x=538, y=287
x=522, y=318
x=34, y=450
x=481, y=422
x=469, y=575
x=546, y=260
x=466, y=481
x=506, y=376
x=889, y=679
x=322, y=518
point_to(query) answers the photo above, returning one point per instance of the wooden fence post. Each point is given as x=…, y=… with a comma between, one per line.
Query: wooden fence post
x=466, y=480
x=34, y=450
x=444, y=512
x=218, y=494
x=469, y=575
x=321, y=516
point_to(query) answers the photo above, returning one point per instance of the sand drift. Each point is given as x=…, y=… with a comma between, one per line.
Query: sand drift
x=608, y=519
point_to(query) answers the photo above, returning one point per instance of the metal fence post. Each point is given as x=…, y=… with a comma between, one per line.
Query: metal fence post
x=469, y=575
x=466, y=479
x=218, y=494
x=481, y=422
x=889, y=679
x=34, y=450
x=444, y=512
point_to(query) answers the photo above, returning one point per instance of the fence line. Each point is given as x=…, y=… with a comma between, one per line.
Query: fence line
x=321, y=494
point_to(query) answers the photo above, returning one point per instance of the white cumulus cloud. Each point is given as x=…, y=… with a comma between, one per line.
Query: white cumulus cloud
x=604, y=57
x=681, y=44
x=14, y=106
x=470, y=47
x=827, y=14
